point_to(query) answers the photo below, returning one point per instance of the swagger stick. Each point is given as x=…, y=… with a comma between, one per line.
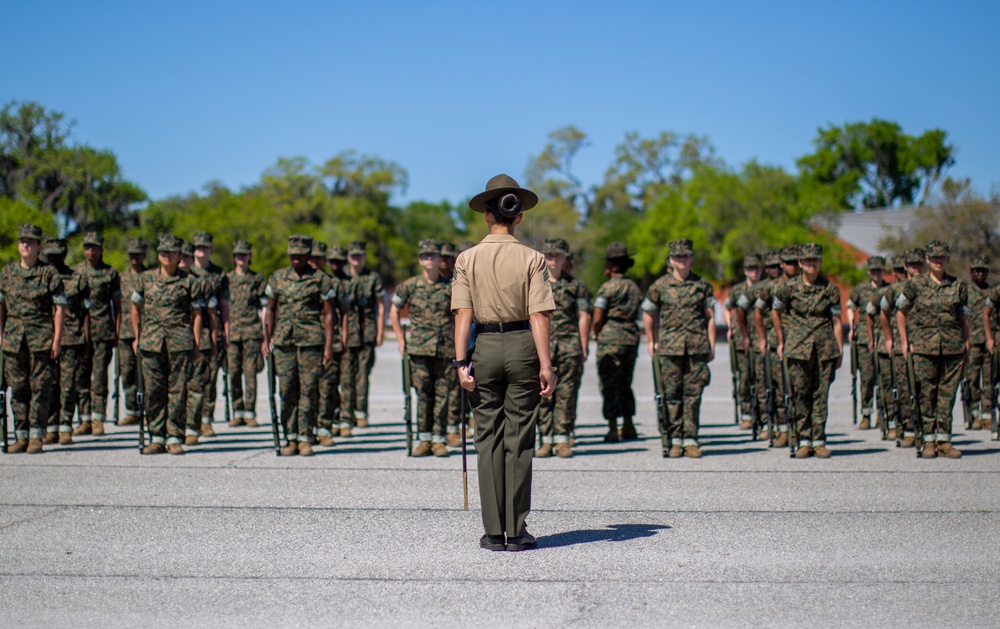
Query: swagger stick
x=465, y=462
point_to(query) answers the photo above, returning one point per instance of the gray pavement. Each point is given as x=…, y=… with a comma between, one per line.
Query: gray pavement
x=93, y=535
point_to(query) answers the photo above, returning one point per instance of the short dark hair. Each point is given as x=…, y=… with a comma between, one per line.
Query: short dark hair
x=617, y=265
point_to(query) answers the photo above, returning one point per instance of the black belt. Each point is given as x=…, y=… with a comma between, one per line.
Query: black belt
x=500, y=328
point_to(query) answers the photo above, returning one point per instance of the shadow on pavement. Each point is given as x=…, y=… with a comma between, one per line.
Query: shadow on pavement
x=613, y=533
x=588, y=452
x=855, y=451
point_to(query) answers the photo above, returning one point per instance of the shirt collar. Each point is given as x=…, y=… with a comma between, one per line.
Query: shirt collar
x=499, y=238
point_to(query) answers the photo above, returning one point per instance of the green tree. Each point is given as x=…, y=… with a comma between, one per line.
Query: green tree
x=874, y=164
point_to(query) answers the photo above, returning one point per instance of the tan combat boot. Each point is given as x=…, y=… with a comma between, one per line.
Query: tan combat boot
x=175, y=448
x=891, y=435
x=154, y=448
x=781, y=441
x=326, y=441
x=50, y=438
x=65, y=439
x=822, y=452
x=453, y=439
x=345, y=432
x=191, y=440
x=803, y=452
x=564, y=451
x=362, y=422
x=82, y=429
x=439, y=449
x=34, y=446
x=423, y=449
x=292, y=449
x=945, y=449
x=251, y=422
x=907, y=442
x=692, y=452
x=866, y=423
x=97, y=427
x=18, y=446
x=977, y=424
x=305, y=449
x=235, y=422
x=929, y=451
x=544, y=451
x=207, y=430
x=745, y=424
x=675, y=452
x=764, y=435
x=128, y=420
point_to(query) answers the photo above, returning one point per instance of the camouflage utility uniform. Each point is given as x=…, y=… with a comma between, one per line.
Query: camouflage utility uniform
x=330, y=398
x=738, y=294
x=366, y=292
x=126, y=356
x=617, y=346
x=810, y=347
x=104, y=298
x=215, y=284
x=860, y=296
x=430, y=346
x=762, y=297
x=244, y=358
x=73, y=353
x=682, y=350
x=886, y=304
x=977, y=372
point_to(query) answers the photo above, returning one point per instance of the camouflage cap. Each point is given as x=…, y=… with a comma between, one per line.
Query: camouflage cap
x=318, y=249
x=187, y=249
x=300, y=245
x=915, y=256
x=876, y=263
x=95, y=239
x=810, y=250
x=790, y=253
x=337, y=253
x=202, y=239
x=899, y=262
x=357, y=248
x=429, y=245
x=681, y=247
x=616, y=250
x=136, y=246
x=938, y=249
x=242, y=247
x=55, y=247
x=772, y=258
x=169, y=244
x=751, y=261
x=465, y=245
x=555, y=245
x=448, y=250
x=30, y=231
x=979, y=262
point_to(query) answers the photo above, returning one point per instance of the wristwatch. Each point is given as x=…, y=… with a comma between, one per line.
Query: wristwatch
x=461, y=363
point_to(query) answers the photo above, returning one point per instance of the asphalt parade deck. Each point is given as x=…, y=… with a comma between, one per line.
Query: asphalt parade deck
x=94, y=535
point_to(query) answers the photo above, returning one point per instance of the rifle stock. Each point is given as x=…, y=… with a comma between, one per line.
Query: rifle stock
x=272, y=404
x=854, y=372
x=755, y=415
x=408, y=405
x=3, y=405
x=116, y=395
x=772, y=419
x=786, y=386
x=918, y=425
x=734, y=367
x=661, y=404
x=140, y=401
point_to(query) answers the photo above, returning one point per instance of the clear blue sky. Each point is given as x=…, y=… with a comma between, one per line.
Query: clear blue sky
x=455, y=92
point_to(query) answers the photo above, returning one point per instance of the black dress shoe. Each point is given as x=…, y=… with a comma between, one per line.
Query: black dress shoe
x=522, y=542
x=492, y=542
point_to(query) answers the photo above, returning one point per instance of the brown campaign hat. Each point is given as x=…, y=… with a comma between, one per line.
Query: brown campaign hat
x=93, y=238
x=429, y=245
x=30, y=231
x=202, y=239
x=616, y=250
x=300, y=245
x=500, y=186
x=876, y=263
x=169, y=244
x=55, y=247
x=136, y=246
x=555, y=245
x=242, y=247
x=337, y=253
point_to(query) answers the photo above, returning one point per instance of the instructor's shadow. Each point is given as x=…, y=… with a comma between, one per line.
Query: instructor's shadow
x=613, y=533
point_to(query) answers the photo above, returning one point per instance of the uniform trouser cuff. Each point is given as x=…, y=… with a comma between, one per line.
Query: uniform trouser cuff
x=170, y=440
x=96, y=417
x=424, y=436
x=206, y=420
x=21, y=435
x=943, y=438
x=84, y=417
x=438, y=439
x=162, y=440
x=909, y=433
x=360, y=415
x=676, y=442
x=867, y=411
x=817, y=444
x=52, y=429
x=782, y=428
x=560, y=439
x=293, y=437
x=689, y=442
x=36, y=433
x=548, y=439
x=345, y=424
x=191, y=432
x=324, y=432
x=746, y=417
x=452, y=429
x=892, y=424
x=66, y=428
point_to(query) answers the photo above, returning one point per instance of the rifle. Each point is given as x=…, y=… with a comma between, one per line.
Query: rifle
x=115, y=395
x=879, y=395
x=734, y=367
x=895, y=401
x=994, y=391
x=755, y=421
x=408, y=404
x=661, y=405
x=273, y=404
x=3, y=406
x=918, y=425
x=225, y=392
x=772, y=416
x=465, y=462
x=966, y=400
x=855, y=364
x=140, y=400
x=786, y=387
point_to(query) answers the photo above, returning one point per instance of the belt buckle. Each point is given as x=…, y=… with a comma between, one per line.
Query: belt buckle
x=501, y=327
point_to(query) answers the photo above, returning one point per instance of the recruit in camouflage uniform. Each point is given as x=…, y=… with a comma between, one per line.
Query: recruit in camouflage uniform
x=806, y=312
x=991, y=327
x=104, y=303
x=330, y=382
x=763, y=300
x=201, y=359
x=166, y=322
x=860, y=333
x=616, y=307
x=365, y=320
x=870, y=311
x=32, y=310
x=216, y=284
x=679, y=316
x=453, y=438
x=569, y=334
x=912, y=263
x=245, y=354
x=745, y=319
x=977, y=372
x=72, y=375
x=430, y=346
x=934, y=329
x=300, y=330
x=127, y=363
x=738, y=336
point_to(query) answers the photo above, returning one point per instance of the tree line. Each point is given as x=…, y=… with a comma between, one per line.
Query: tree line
x=655, y=189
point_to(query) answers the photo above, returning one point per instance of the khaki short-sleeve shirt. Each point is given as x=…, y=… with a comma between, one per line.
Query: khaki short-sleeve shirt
x=502, y=281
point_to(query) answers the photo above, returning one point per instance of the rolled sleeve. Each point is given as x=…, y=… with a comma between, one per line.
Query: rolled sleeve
x=540, y=297
x=461, y=294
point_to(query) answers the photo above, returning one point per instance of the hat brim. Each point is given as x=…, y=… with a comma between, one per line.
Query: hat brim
x=528, y=198
x=168, y=249
x=299, y=251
